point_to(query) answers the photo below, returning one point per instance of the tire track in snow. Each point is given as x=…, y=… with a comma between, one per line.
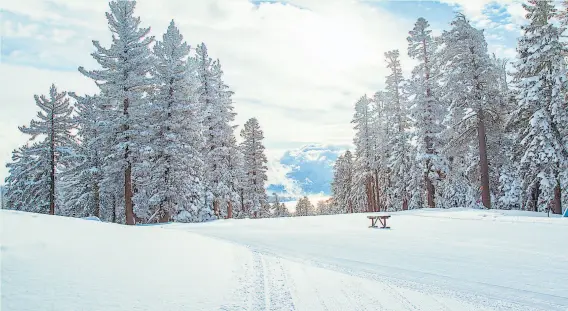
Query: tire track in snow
x=279, y=297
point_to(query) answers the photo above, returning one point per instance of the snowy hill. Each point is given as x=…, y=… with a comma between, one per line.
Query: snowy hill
x=429, y=260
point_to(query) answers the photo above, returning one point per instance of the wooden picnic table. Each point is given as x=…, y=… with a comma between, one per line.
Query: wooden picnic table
x=381, y=218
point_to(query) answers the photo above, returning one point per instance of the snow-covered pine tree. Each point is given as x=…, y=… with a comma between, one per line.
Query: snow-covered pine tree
x=470, y=85
x=26, y=185
x=380, y=132
x=363, y=181
x=304, y=207
x=234, y=208
x=171, y=182
x=342, y=184
x=215, y=100
x=123, y=81
x=426, y=108
x=33, y=179
x=400, y=161
x=541, y=79
x=82, y=180
x=255, y=168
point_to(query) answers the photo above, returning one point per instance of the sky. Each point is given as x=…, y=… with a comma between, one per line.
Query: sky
x=298, y=66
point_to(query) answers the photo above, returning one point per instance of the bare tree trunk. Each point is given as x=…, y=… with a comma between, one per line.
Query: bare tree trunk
x=483, y=162
x=557, y=199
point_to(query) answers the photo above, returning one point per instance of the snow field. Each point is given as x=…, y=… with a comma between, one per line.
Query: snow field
x=429, y=260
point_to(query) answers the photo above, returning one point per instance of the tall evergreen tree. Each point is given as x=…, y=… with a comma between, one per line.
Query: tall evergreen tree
x=123, y=81
x=215, y=100
x=542, y=112
x=470, y=86
x=255, y=198
x=400, y=161
x=364, y=148
x=82, y=181
x=172, y=169
x=31, y=185
x=304, y=207
x=426, y=108
x=342, y=184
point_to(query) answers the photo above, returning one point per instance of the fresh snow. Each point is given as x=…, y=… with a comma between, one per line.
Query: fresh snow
x=430, y=260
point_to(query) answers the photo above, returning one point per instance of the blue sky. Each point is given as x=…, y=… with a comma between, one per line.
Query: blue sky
x=296, y=65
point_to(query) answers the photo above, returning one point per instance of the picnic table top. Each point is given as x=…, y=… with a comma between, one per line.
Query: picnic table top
x=378, y=216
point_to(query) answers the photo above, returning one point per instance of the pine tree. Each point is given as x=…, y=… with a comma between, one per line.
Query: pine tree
x=33, y=179
x=82, y=181
x=123, y=81
x=304, y=207
x=342, y=185
x=171, y=182
x=255, y=168
x=364, y=147
x=470, y=86
x=426, y=108
x=542, y=112
x=380, y=133
x=215, y=100
x=399, y=143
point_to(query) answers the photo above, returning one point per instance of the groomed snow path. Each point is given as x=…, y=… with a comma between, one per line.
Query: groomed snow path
x=429, y=260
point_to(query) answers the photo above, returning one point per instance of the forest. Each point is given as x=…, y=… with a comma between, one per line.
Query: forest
x=157, y=142
x=466, y=129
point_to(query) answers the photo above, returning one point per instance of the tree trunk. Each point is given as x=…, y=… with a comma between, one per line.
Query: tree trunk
x=216, y=207
x=52, y=168
x=229, y=209
x=557, y=199
x=429, y=145
x=52, y=184
x=483, y=162
x=430, y=191
x=114, y=205
x=377, y=191
x=369, y=196
x=165, y=217
x=405, y=204
x=97, y=201
x=534, y=196
x=128, y=206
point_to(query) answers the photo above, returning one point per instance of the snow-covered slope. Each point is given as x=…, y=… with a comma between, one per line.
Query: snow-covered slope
x=429, y=260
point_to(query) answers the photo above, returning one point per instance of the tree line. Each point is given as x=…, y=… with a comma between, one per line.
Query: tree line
x=465, y=129
x=155, y=144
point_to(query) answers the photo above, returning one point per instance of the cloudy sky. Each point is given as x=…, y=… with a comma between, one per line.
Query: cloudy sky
x=296, y=65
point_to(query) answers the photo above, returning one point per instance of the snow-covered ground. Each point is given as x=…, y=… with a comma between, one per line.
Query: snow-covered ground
x=429, y=260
